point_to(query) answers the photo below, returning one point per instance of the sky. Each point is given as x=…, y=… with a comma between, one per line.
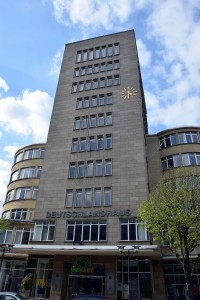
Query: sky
x=32, y=38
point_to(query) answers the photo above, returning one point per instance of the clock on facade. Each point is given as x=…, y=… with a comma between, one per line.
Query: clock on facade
x=128, y=92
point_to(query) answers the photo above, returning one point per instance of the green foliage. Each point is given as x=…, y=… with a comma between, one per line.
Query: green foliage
x=3, y=224
x=172, y=211
x=27, y=282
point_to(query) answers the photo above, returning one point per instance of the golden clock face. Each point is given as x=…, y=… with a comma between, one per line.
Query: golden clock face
x=129, y=92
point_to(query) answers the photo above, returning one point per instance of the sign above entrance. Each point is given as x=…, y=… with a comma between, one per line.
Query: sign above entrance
x=88, y=213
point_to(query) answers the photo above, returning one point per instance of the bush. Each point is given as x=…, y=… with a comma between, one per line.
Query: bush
x=27, y=282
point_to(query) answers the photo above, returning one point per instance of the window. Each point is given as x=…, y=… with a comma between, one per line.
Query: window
x=133, y=230
x=99, y=142
x=35, y=192
x=77, y=123
x=6, y=236
x=14, y=176
x=100, y=120
x=88, y=85
x=83, y=71
x=116, y=80
x=22, y=236
x=97, y=197
x=110, y=52
x=103, y=67
x=72, y=170
x=109, y=81
x=27, y=173
x=6, y=214
x=19, y=157
x=116, y=64
x=86, y=102
x=29, y=154
x=39, y=172
x=74, y=87
x=103, y=51
x=78, y=56
x=167, y=140
x=81, y=86
x=109, y=66
x=85, y=55
x=191, y=159
x=91, y=143
x=108, y=118
x=69, y=198
x=42, y=152
x=10, y=195
x=89, y=168
x=91, y=54
x=94, y=101
x=101, y=100
x=44, y=231
x=79, y=103
x=188, y=137
x=107, y=196
x=31, y=211
x=99, y=168
x=81, y=171
x=84, y=122
x=18, y=214
x=83, y=144
x=76, y=72
x=88, y=198
x=96, y=68
x=108, y=141
x=116, y=49
x=108, y=167
x=97, y=53
x=79, y=198
x=75, y=145
x=102, y=82
x=93, y=122
x=170, y=162
x=89, y=70
x=78, y=231
x=109, y=98
x=23, y=193
x=95, y=84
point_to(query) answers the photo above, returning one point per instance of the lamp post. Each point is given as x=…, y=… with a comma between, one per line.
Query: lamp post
x=128, y=249
x=4, y=248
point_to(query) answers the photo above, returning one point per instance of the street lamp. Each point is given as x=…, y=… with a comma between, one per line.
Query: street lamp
x=134, y=248
x=4, y=248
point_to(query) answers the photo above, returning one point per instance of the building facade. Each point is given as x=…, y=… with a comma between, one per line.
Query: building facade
x=100, y=163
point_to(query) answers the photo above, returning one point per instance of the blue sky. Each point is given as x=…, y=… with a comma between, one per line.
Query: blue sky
x=33, y=34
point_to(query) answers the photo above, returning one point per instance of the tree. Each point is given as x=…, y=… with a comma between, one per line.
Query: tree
x=3, y=224
x=172, y=215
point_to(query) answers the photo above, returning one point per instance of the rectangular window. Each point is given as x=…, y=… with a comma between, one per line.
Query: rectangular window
x=97, y=197
x=6, y=236
x=91, y=54
x=72, y=170
x=83, y=71
x=95, y=84
x=101, y=120
x=85, y=55
x=44, y=231
x=88, y=198
x=78, y=56
x=93, y=122
x=39, y=172
x=42, y=152
x=35, y=192
x=101, y=100
x=81, y=86
x=18, y=214
x=91, y=143
x=89, y=70
x=108, y=118
x=116, y=49
x=69, y=198
x=108, y=141
x=110, y=50
x=97, y=53
x=188, y=137
x=94, y=101
x=84, y=122
x=22, y=236
x=86, y=102
x=88, y=85
x=90, y=169
x=75, y=145
x=81, y=171
x=108, y=167
x=133, y=230
x=116, y=64
x=77, y=123
x=23, y=193
x=171, y=161
x=79, y=103
x=74, y=87
x=100, y=142
x=103, y=51
x=103, y=67
x=10, y=195
x=102, y=82
x=27, y=173
x=79, y=198
x=76, y=72
x=29, y=154
x=107, y=196
x=14, y=176
x=19, y=157
x=78, y=231
x=96, y=68
x=116, y=80
x=167, y=141
x=109, y=81
x=83, y=144
x=109, y=66
x=99, y=168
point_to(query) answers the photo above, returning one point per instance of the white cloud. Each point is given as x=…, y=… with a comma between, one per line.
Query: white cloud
x=144, y=54
x=106, y=13
x=1, y=134
x=28, y=114
x=56, y=63
x=11, y=150
x=3, y=84
x=4, y=179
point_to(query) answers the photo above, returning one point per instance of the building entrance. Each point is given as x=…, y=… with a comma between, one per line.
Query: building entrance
x=85, y=284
